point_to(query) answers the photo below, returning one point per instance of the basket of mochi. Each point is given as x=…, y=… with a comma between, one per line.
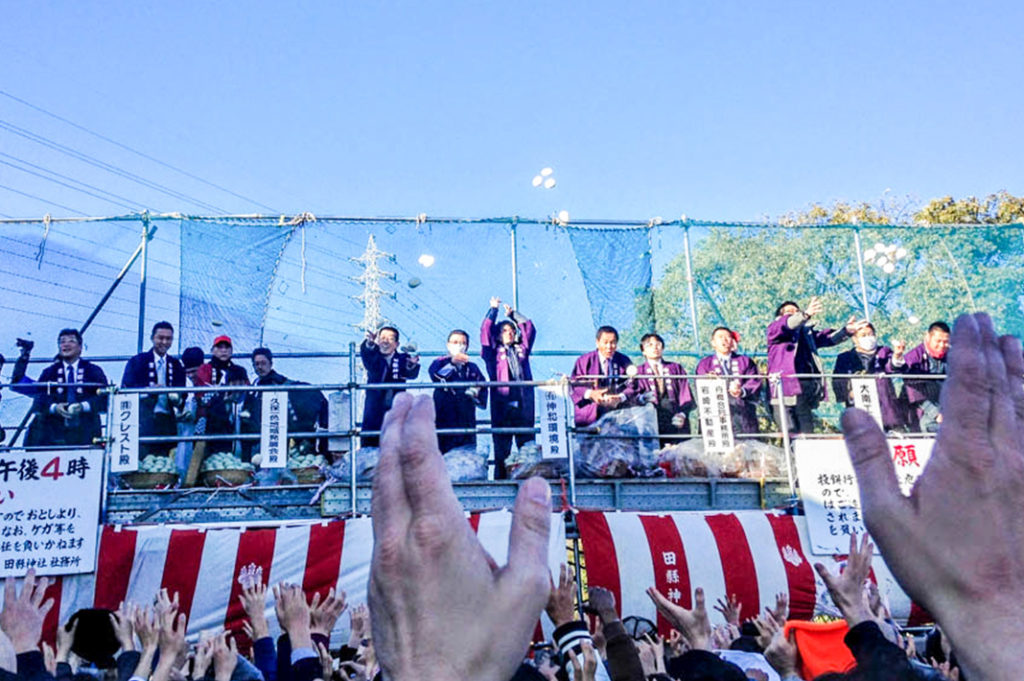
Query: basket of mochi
x=225, y=469
x=305, y=464
x=155, y=472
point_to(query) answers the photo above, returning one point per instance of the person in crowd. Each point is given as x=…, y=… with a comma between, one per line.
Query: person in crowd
x=307, y=409
x=867, y=358
x=384, y=363
x=793, y=344
x=505, y=347
x=68, y=414
x=215, y=372
x=741, y=372
x=922, y=395
x=600, y=380
x=671, y=397
x=156, y=368
x=456, y=407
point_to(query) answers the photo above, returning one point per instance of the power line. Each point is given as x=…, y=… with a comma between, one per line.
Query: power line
x=46, y=201
x=135, y=205
x=102, y=165
x=65, y=184
x=136, y=152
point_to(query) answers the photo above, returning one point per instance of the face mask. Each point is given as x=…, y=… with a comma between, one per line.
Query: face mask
x=867, y=343
x=457, y=349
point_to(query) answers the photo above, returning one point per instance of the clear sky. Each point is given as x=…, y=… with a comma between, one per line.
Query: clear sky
x=719, y=110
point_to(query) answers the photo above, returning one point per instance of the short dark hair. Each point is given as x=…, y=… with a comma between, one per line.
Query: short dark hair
x=648, y=336
x=601, y=330
x=725, y=328
x=388, y=328
x=938, y=326
x=459, y=332
x=869, y=325
x=508, y=323
x=70, y=332
x=778, y=310
x=265, y=352
x=161, y=325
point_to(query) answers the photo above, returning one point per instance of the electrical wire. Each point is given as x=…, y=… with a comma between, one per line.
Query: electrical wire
x=46, y=201
x=130, y=205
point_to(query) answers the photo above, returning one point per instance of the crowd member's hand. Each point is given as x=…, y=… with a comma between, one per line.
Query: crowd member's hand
x=677, y=644
x=121, y=620
x=597, y=636
x=495, y=301
x=814, y=307
x=693, y=624
x=587, y=669
x=657, y=644
x=766, y=627
x=910, y=646
x=326, y=662
x=781, y=610
x=254, y=603
x=355, y=670
x=147, y=629
x=847, y=588
x=23, y=613
x=970, y=491
x=730, y=609
x=165, y=603
x=8, y=658
x=204, y=655
x=949, y=671
x=171, y=643
x=645, y=651
x=323, y=614
x=293, y=614
x=225, y=656
x=65, y=639
x=876, y=605
x=357, y=617
x=723, y=635
x=602, y=602
x=49, y=659
x=440, y=607
x=560, y=603
x=782, y=655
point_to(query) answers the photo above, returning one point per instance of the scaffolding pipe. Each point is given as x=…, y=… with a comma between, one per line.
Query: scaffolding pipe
x=689, y=284
x=860, y=272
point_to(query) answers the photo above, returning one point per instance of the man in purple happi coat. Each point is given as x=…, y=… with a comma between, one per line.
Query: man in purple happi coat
x=744, y=387
x=606, y=385
x=922, y=395
x=505, y=348
x=866, y=358
x=671, y=397
x=793, y=344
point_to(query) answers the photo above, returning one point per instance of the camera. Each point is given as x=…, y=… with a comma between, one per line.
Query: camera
x=25, y=345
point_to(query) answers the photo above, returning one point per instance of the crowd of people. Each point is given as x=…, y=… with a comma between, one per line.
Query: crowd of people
x=440, y=608
x=67, y=410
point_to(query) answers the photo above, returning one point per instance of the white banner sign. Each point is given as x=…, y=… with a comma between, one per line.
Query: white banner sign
x=553, y=440
x=49, y=508
x=828, y=487
x=715, y=417
x=274, y=430
x=124, y=448
x=865, y=396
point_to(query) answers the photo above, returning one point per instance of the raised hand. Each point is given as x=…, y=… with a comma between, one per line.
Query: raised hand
x=814, y=307
x=254, y=603
x=693, y=624
x=65, y=639
x=358, y=618
x=956, y=544
x=23, y=613
x=587, y=670
x=730, y=609
x=847, y=588
x=495, y=301
x=781, y=610
x=560, y=603
x=440, y=608
x=121, y=620
x=225, y=656
x=323, y=615
x=602, y=602
x=293, y=614
x=782, y=655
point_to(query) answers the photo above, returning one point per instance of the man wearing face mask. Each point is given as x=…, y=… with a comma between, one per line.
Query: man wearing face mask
x=868, y=358
x=505, y=347
x=922, y=395
x=456, y=407
x=384, y=364
x=608, y=387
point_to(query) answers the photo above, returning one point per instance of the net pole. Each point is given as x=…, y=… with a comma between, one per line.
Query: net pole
x=515, y=265
x=142, y=281
x=353, y=394
x=860, y=273
x=689, y=283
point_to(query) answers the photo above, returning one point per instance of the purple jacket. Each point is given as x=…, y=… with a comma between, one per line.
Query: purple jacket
x=850, y=362
x=919, y=362
x=678, y=391
x=495, y=356
x=745, y=406
x=784, y=347
x=588, y=411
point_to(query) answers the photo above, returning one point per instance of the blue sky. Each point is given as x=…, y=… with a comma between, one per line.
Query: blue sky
x=721, y=110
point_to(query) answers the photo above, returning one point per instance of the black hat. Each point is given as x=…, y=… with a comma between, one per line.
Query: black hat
x=95, y=640
x=192, y=357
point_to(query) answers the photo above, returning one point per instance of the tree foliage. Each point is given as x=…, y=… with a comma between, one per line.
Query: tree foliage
x=742, y=274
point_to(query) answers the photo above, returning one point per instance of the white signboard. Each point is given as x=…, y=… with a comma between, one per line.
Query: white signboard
x=865, y=396
x=49, y=511
x=715, y=417
x=124, y=447
x=274, y=430
x=339, y=419
x=828, y=487
x=553, y=440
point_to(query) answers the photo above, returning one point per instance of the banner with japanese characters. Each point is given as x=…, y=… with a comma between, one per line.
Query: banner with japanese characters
x=274, y=430
x=715, y=418
x=553, y=439
x=49, y=511
x=865, y=396
x=828, y=487
x=124, y=445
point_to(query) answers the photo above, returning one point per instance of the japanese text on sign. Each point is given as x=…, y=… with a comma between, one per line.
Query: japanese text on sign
x=865, y=396
x=829, y=487
x=274, y=430
x=715, y=416
x=124, y=444
x=49, y=512
x=553, y=440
